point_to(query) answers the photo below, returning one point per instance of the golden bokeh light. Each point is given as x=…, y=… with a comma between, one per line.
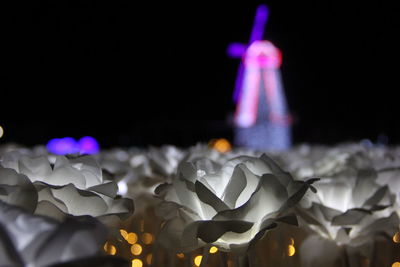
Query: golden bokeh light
x=213, y=250
x=396, y=264
x=137, y=263
x=110, y=249
x=291, y=250
x=1, y=131
x=147, y=238
x=221, y=145
x=123, y=233
x=149, y=258
x=141, y=225
x=197, y=260
x=396, y=237
x=180, y=255
x=136, y=249
x=131, y=238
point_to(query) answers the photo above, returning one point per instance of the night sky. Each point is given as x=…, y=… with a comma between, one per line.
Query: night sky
x=141, y=74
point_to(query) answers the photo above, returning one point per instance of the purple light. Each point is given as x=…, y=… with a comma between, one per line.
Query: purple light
x=234, y=50
x=62, y=146
x=68, y=145
x=88, y=145
x=262, y=120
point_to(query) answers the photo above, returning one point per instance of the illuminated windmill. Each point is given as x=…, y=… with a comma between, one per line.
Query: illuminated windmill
x=261, y=119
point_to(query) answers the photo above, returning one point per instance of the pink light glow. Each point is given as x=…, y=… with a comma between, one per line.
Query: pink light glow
x=261, y=58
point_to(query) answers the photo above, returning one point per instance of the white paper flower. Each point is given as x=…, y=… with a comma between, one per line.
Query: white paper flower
x=29, y=240
x=229, y=208
x=16, y=189
x=165, y=160
x=73, y=186
x=345, y=209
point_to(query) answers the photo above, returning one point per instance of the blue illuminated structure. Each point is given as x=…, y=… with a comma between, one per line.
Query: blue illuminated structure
x=261, y=119
x=68, y=145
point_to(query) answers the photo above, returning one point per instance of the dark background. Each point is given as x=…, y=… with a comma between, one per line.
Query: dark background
x=140, y=74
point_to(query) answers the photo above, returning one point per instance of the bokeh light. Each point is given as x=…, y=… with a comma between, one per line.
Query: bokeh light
x=180, y=255
x=291, y=250
x=221, y=145
x=396, y=237
x=137, y=263
x=396, y=264
x=149, y=258
x=88, y=145
x=147, y=238
x=132, y=238
x=110, y=249
x=123, y=233
x=1, y=131
x=197, y=260
x=213, y=250
x=136, y=249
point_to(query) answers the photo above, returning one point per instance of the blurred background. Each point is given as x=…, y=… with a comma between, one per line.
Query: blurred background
x=134, y=74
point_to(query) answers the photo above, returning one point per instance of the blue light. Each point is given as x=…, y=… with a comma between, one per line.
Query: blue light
x=68, y=145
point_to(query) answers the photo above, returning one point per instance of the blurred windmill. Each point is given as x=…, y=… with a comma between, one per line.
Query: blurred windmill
x=261, y=120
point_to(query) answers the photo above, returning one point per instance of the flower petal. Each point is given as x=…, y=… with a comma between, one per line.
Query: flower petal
x=236, y=185
x=17, y=189
x=283, y=176
x=269, y=197
x=80, y=202
x=350, y=217
x=208, y=197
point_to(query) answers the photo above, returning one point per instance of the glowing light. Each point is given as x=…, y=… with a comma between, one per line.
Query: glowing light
x=68, y=145
x=110, y=249
x=221, y=145
x=122, y=188
x=88, y=145
x=147, y=238
x=137, y=263
x=62, y=146
x=396, y=264
x=396, y=237
x=180, y=255
x=197, y=260
x=123, y=233
x=237, y=50
x=149, y=258
x=262, y=120
x=213, y=250
x=291, y=250
x=141, y=225
x=136, y=249
x=1, y=131
x=131, y=238
x=258, y=79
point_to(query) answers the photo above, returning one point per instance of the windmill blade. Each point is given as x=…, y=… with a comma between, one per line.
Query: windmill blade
x=236, y=50
x=257, y=33
x=260, y=21
x=238, y=83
